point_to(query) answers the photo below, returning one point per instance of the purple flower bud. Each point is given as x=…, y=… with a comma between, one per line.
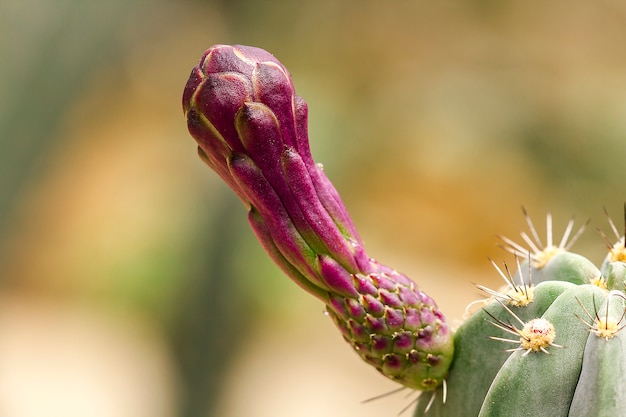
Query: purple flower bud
x=251, y=128
x=241, y=106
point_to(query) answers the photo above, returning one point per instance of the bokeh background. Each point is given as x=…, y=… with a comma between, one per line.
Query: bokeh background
x=130, y=285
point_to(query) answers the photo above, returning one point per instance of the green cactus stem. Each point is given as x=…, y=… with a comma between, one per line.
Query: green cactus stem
x=497, y=371
x=599, y=392
x=251, y=128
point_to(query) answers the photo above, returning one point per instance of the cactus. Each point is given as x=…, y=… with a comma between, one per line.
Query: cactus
x=549, y=343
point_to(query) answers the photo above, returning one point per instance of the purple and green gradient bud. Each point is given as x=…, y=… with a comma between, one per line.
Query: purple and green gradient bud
x=251, y=128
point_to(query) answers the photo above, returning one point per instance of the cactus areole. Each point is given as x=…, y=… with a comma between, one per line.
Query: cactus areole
x=550, y=343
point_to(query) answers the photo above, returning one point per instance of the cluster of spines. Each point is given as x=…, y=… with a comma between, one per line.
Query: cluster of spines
x=537, y=334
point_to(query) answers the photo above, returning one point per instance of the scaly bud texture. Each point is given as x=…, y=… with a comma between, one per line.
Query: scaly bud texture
x=251, y=128
x=550, y=343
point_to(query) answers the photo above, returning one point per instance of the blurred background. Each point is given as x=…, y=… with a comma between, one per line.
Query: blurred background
x=130, y=285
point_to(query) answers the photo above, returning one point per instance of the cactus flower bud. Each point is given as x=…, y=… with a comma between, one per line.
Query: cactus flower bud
x=251, y=128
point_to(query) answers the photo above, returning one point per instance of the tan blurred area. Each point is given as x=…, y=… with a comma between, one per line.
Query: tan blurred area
x=130, y=285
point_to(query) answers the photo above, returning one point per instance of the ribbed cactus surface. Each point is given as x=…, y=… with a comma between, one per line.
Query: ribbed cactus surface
x=549, y=343
x=571, y=365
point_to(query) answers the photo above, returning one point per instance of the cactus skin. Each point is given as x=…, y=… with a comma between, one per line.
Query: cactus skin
x=599, y=393
x=251, y=128
x=581, y=379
